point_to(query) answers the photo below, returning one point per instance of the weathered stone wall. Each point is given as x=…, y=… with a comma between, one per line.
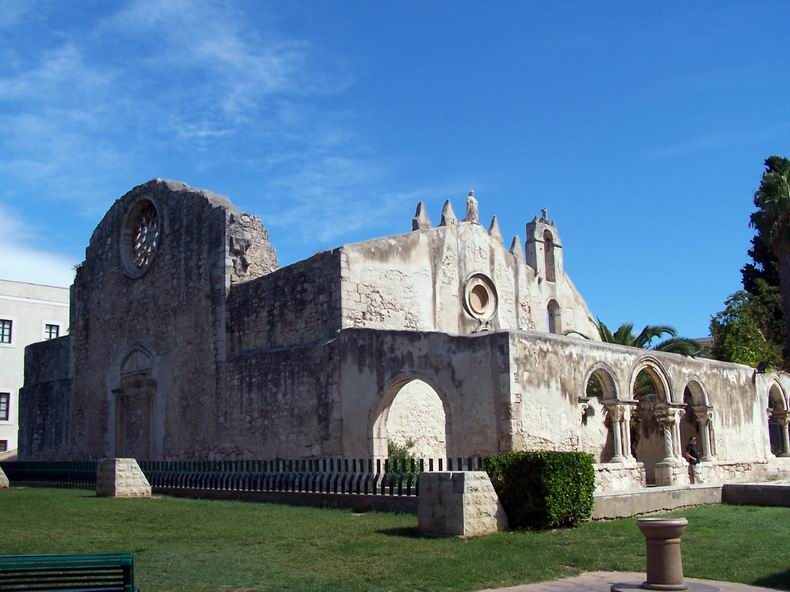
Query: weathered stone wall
x=295, y=305
x=45, y=400
x=469, y=373
x=416, y=281
x=173, y=311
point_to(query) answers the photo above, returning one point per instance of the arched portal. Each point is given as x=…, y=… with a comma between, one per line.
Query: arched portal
x=696, y=419
x=414, y=415
x=599, y=424
x=134, y=403
x=777, y=421
x=650, y=388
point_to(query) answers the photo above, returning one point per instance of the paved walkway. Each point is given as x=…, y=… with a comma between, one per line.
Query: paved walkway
x=601, y=581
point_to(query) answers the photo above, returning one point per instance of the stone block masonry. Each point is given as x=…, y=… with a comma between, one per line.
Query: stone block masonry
x=121, y=477
x=460, y=504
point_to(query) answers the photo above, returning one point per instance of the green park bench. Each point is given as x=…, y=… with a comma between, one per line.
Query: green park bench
x=109, y=572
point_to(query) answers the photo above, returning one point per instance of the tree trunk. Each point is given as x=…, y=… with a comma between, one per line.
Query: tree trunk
x=782, y=250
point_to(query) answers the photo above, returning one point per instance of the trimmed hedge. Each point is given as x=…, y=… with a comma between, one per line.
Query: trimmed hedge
x=543, y=489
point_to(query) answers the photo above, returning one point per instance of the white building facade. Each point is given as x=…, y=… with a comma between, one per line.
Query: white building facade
x=29, y=313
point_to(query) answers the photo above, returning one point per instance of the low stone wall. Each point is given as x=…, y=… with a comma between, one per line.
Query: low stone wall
x=759, y=470
x=754, y=494
x=459, y=504
x=121, y=477
x=619, y=477
x=654, y=499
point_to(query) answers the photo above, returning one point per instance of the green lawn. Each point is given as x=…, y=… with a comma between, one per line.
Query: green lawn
x=194, y=545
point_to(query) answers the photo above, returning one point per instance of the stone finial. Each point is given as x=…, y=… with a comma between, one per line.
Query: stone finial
x=516, y=250
x=448, y=215
x=472, y=215
x=493, y=230
x=420, y=220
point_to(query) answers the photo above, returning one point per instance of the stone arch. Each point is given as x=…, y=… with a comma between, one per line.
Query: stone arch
x=137, y=360
x=696, y=419
x=778, y=420
x=696, y=391
x=554, y=317
x=548, y=254
x=646, y=433
x=412, y=406
x=658, y=375
x=605, y=377
x=776, y=397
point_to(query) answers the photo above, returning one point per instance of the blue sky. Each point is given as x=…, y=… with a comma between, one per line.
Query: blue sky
x=642, y=128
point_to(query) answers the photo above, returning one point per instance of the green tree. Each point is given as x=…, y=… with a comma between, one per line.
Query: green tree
x=747, y=330
x=772, y=222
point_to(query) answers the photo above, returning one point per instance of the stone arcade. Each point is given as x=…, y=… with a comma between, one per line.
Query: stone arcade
x=188, y=341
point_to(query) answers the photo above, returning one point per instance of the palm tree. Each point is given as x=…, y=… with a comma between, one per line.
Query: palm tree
x=772, y=221
x=624, y=335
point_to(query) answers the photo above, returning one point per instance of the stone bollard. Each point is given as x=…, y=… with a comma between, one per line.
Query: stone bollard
x=460, y=503
x=4, y=483
x=664, y=563
x=121, y=477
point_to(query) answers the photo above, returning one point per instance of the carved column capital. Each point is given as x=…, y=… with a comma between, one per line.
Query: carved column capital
x=614, y=412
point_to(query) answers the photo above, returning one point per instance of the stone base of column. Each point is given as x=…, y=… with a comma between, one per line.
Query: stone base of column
x=121, y=477
x=462, y=504
x=672, y=473
x=4, y=482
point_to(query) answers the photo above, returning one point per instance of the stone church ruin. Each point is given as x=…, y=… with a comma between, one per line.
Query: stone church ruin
x=188, y=341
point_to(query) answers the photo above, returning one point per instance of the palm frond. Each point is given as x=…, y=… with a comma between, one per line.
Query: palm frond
x=651, y=332
x=679, y=345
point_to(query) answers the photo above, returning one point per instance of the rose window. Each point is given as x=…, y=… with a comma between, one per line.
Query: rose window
x=145, y=237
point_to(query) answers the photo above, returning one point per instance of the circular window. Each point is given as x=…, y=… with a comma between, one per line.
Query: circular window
x=141, y=236
x=480, y=297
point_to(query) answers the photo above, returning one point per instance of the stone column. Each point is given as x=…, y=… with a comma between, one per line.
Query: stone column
x=703, y=415
x=627, y=434
x=783, y=419
x=676, y=439
x=615, y=414
x=666, y=419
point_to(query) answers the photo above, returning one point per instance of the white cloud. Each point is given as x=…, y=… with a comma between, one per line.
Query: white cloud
x=206, y=82
x=22, y=261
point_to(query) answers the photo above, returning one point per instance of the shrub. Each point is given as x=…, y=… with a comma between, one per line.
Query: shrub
x=543, y=489
x=401, y=458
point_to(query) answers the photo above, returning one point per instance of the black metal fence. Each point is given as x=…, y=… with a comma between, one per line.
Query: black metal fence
x=355, y=476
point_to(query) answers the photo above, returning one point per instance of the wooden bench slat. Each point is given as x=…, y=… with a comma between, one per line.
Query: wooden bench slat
x=104, y=572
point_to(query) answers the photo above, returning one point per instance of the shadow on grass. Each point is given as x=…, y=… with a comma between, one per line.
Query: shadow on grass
x=410, y=532
x=777, y=580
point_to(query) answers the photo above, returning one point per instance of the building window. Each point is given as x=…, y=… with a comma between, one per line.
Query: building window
x=51, y=331
x=3, y=445
x=5, y=331
x=5, y=399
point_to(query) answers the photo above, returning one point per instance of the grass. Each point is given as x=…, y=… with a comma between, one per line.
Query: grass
x=195, y=545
